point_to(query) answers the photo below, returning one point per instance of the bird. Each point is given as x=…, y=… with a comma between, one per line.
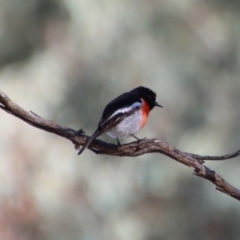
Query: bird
x=125, y=115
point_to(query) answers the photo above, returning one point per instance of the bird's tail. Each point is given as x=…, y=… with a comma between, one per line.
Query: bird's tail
x=89, y=140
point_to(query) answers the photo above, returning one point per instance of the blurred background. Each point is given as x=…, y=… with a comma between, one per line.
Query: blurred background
x=65, y=60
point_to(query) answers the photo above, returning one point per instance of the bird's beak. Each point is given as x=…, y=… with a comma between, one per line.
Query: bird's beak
x=156, y=104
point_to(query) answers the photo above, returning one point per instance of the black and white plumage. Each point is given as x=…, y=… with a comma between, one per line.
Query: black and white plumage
x=125, y=115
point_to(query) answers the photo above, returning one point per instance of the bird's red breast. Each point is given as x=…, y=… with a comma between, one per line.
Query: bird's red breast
x=145, y=111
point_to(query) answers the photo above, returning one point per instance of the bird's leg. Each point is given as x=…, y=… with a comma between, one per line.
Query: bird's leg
x=138, y=139
x=119, y=144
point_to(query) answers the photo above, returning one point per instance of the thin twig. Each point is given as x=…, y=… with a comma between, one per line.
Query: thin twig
x=216, y=158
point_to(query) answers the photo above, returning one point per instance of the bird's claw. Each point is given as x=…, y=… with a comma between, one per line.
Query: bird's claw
x=79, y=132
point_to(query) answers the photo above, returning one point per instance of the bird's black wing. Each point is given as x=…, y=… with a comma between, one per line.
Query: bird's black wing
x=119, y=108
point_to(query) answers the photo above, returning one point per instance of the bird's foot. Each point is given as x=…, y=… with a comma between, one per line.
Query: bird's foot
x=79, y=132
x=138, y=140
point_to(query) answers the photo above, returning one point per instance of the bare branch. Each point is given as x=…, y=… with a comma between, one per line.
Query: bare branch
x=132, y=149
x=215, y=158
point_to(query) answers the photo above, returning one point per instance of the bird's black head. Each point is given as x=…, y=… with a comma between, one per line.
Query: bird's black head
x=148, y=95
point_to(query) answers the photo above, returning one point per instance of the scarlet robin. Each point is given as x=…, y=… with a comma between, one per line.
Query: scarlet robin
x=125, y=115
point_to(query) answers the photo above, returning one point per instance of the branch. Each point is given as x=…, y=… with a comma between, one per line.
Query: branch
x=132, y=149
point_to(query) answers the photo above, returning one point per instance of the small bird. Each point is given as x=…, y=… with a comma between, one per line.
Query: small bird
x=125, y=115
